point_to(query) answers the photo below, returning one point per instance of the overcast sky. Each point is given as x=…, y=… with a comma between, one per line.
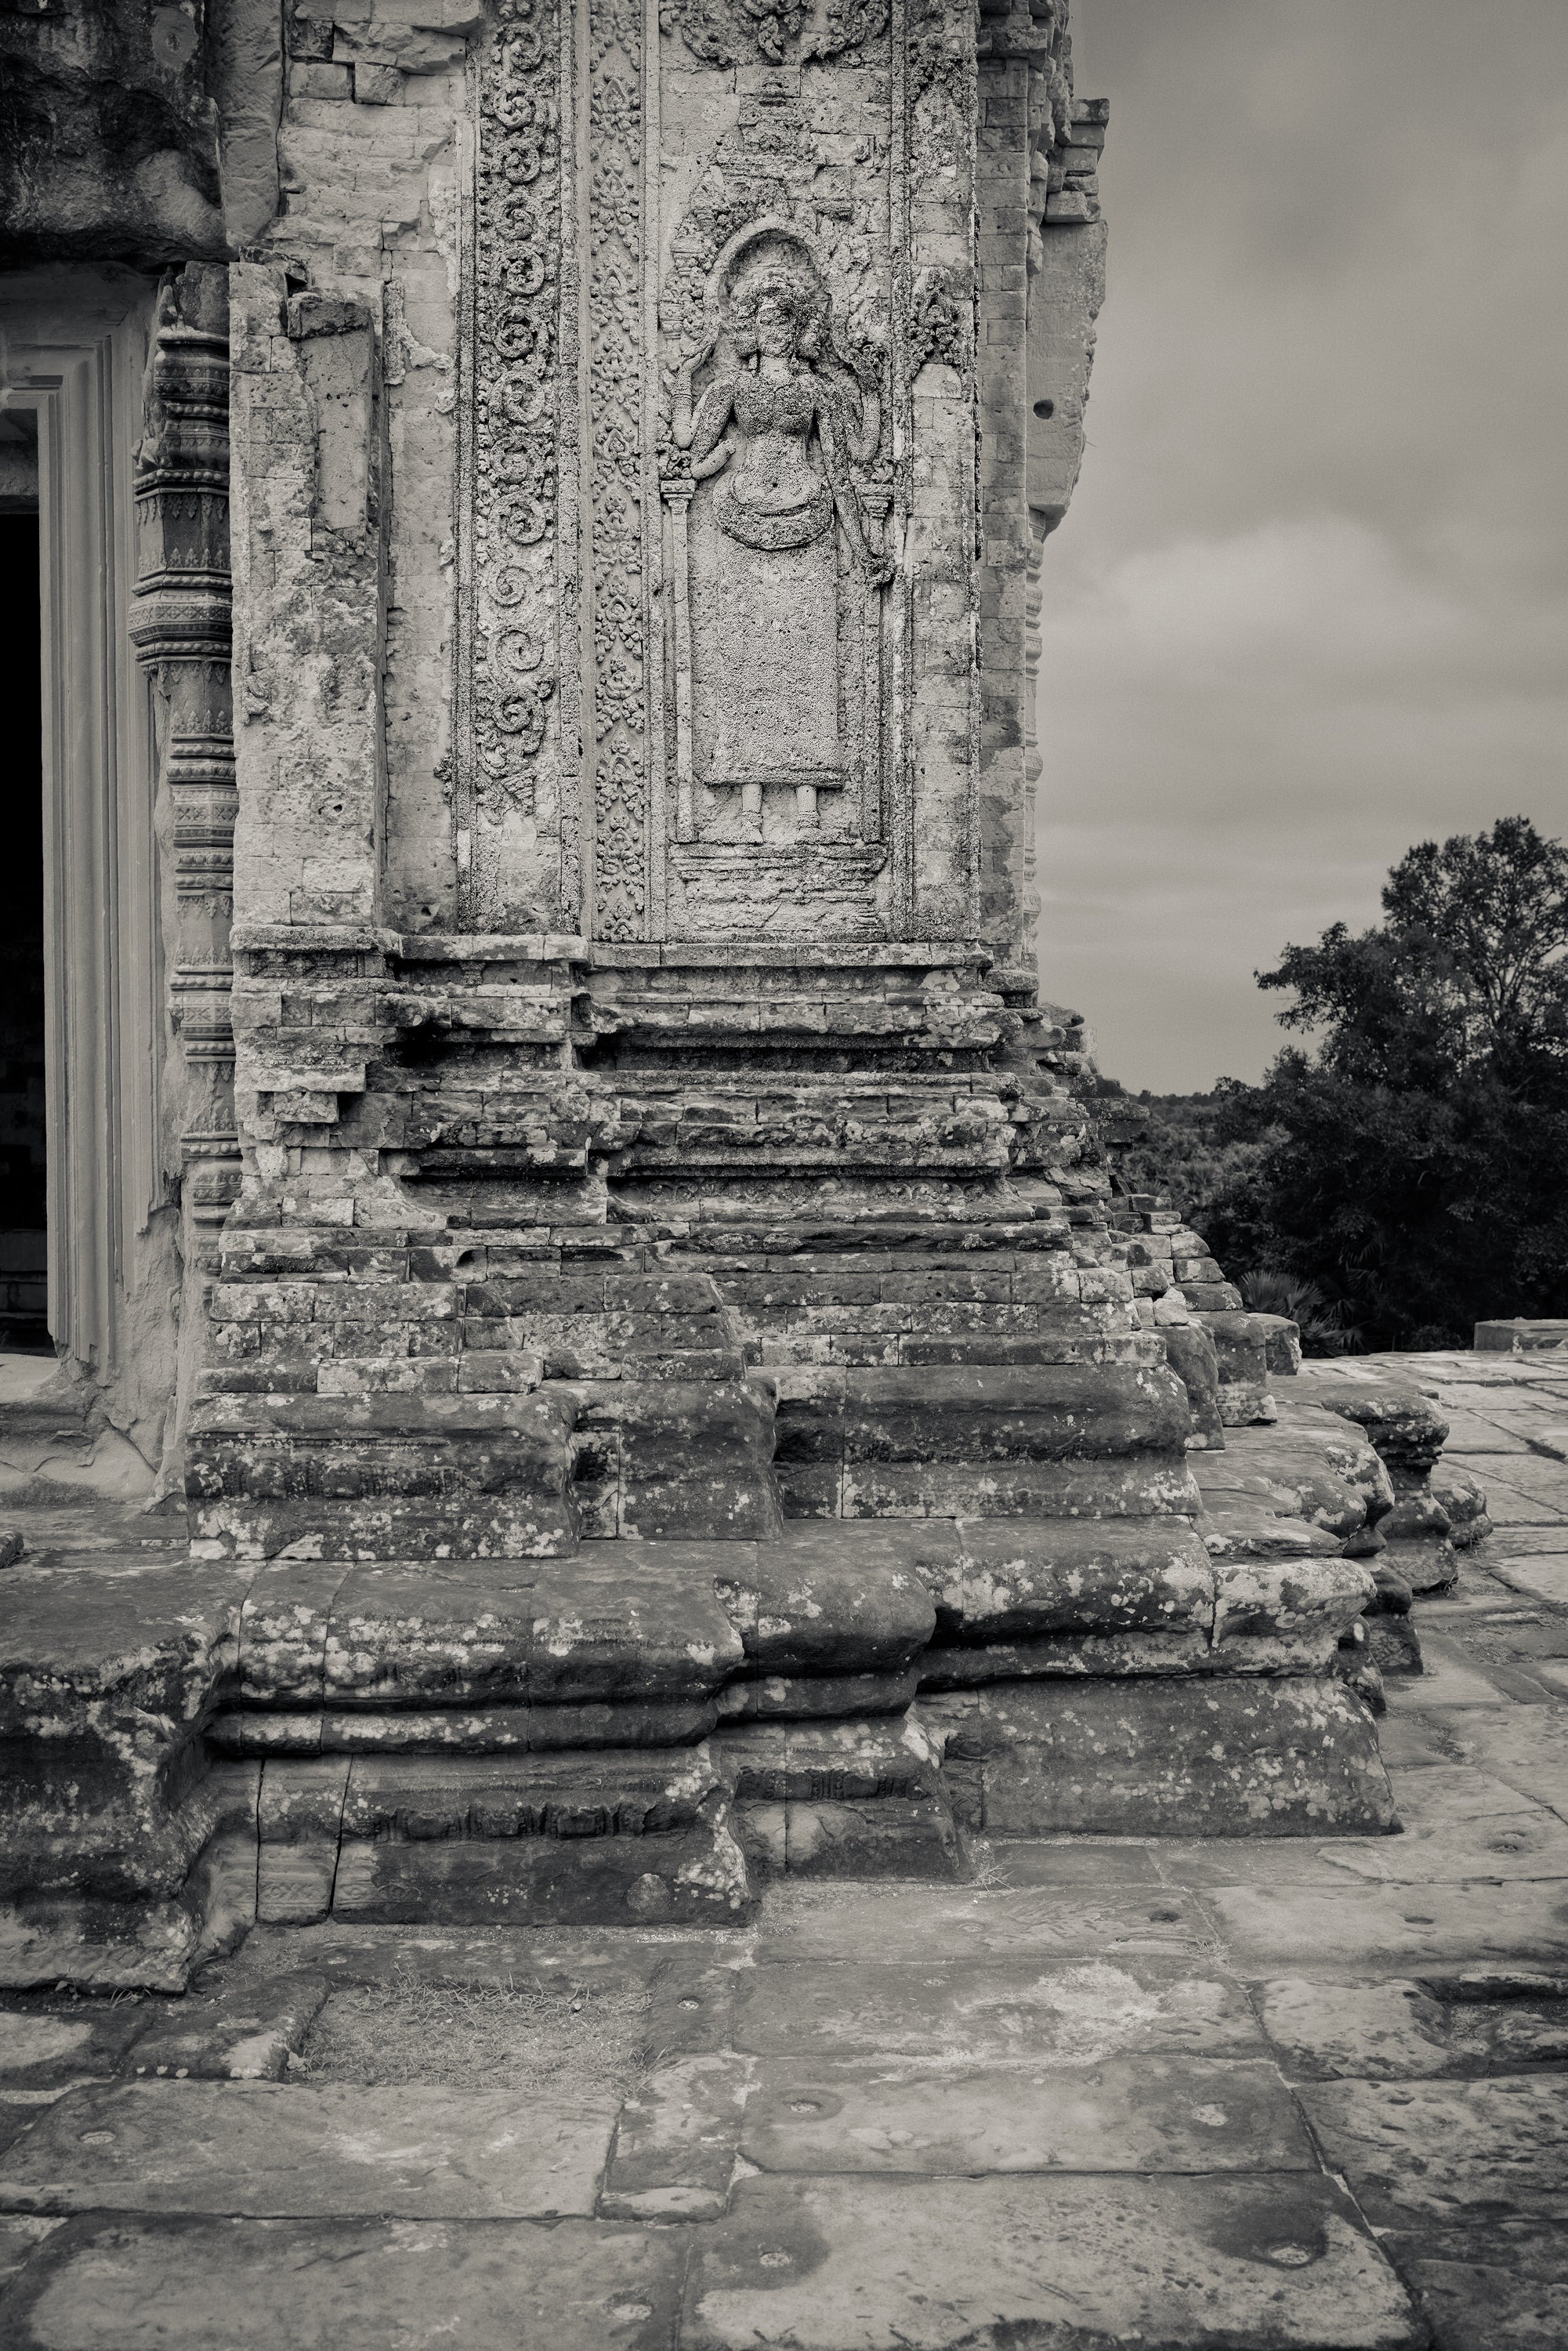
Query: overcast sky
x=1309, y=604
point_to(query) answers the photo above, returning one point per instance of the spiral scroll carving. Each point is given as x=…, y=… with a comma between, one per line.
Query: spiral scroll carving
x=517, y=281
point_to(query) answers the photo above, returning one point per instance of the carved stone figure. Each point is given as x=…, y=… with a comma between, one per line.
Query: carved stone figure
x=779, y=625
x=785, y=403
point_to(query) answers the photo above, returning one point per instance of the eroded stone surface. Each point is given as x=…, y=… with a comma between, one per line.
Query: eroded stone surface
x=1505, y=2285
x=675, y=2144
x=278, y=2150
x=1142, y=2113
x=1076, y=2013
x=864, y=2265
x=1244, y=1757
x=1396, y=2029
x=136, y=2283
x=232, y=2038
x=948, y=1923
x=1425, y=2151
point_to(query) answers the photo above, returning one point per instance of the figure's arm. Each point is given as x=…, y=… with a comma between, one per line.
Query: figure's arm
x=709, y=452
x=877, y=567
x=681, y=388
x=863, y=444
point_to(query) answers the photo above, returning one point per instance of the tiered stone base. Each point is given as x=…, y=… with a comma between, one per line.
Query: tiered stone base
x=600, y=1571
x=648, y=1731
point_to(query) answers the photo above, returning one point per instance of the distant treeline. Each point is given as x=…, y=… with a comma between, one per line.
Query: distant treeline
x=1404, y=1174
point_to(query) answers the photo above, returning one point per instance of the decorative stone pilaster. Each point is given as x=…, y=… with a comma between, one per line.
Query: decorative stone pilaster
x=181, y=626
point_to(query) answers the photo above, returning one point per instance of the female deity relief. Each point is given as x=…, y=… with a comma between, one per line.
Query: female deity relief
x=782, y=573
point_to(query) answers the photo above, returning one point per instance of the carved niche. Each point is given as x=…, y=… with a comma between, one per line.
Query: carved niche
x=784, y=481
x=777, y=570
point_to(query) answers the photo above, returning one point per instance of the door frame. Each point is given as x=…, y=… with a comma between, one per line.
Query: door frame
x=73, y=348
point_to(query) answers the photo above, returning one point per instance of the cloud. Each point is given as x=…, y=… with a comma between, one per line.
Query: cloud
x=1261, y=725
x=1309, y=604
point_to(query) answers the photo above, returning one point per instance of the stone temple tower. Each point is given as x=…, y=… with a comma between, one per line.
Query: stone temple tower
x=661, y=1394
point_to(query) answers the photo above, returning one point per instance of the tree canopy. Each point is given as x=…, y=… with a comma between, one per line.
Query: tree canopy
x=1408, y=1161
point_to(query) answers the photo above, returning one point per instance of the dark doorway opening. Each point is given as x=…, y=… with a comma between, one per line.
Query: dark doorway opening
x=24, y=1216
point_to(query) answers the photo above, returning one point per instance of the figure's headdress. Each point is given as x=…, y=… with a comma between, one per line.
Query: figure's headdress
x=794, y=291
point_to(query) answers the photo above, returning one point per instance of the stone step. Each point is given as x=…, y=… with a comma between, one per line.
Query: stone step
x=1042, y=1346
x=855, y=2115
x=787, y=1237
x=961, y=1440
x=1287, y=1757
x=665, y=1457
x=648, y=1642
x=1148, y=1485
x=281, y=2150
x=565, y=1840
x=977, y=1413
x=445, y=1731
x=394, y=1476
x=841, y=1799
x=487, y=1472
x=890, y=1338
x=1312, y=1466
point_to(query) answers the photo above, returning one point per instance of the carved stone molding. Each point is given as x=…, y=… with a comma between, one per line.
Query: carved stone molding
x=180, y=621
x=735, y=32
x=516, y=713
x=616, y=263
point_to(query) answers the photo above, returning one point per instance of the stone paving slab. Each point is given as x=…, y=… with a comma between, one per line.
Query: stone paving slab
x=1449, y=1795
x=270, y=2151
x=1525, y=1543
x=1104, y=1863
x=1075, y=2012
x=1050, y=2264
x=1138, y=2113
x=1451, y=1679
x=1265, y=1927
x=1398, y=2029
x=1487, y=2289
x=136, y=2283
x=955, y=1922
x=1411, y=1741
x=676, y=2139
x=1544, y=1578
x=1510, y=1503
x=1474, y=1431
x=547, y=1958
x=1527, y=1748
x=1071, y=1860
x=21, y=2234
x=1416, y=2153
x=231, y=2039
x=1529, y=1841
x=47, y=2048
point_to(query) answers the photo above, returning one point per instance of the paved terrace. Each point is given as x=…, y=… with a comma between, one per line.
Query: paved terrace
x=1246, y=2093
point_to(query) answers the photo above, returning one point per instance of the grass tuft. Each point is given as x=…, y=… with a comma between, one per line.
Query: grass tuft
x=479, y=2037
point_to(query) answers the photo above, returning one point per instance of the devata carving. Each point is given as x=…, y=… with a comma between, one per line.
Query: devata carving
x=786, y=398
x=778, y=611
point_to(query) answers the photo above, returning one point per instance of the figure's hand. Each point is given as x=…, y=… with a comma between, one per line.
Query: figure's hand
x=878, y=569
